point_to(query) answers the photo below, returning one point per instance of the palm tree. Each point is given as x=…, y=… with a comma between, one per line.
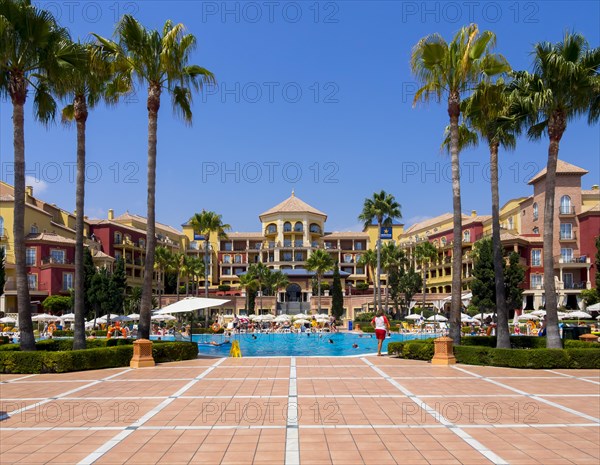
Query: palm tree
x=161, y=61
x=392, y=258
x=564, y=85
x=163, y=261
x=250, y=284
x=319, y=262
x=197, y=269
x=369, y=260
x=383, y=209
x=178, y=265
x=207, y=223
x=260, y=273
x=34, y=50
x=487, y=112
x=425, y=252
x=278, y=280
x=83, y=87
x=453, y=69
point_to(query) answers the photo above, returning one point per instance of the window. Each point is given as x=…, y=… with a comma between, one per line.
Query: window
x=67, y=281
x=228, y=246
x=358, y=257
x=536, y=257
x=118, y=238
x=298, y=227
x=33, y=229
x=568, y=280
x=565, y=205
x=227, y=271
x=32, y=282
x=298, y=243
x=443, y=241
x=57, y=256
x=360, y=270
x=1, y=226
x=142, y=243
x=118, y=256
x=226, y=258
x=536, y=230
x=566, y=255
x=535, y=211
x=238, y=259
x=299, y=257
x=537, y=280
x=566, y=231
x=239, y=271
x=467, y=236
x=287, y=256
x=315, y=228
x=287, y=227
x=271, y=229
x=347, y=258
x=358, y=246
x=287, y=243
x=510, y=223
x=30, y=256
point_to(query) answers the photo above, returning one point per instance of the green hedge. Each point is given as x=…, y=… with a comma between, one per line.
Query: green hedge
x=88, y=332
x=577, y=354
x=46, y=361
x=516, y=342
x=4, y=340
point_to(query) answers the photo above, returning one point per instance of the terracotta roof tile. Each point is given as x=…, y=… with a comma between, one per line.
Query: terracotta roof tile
x=293, y=205
x=562, y=167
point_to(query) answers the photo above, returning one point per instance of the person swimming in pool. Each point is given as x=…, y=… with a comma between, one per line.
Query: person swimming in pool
x=355, y=346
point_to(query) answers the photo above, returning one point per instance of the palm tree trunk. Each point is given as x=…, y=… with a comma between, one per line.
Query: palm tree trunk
x=81, y=114
x=178, y=283
x=27, y=340
x=374, y=291
x=455, y=324
x=146, y=304
x=378, y=267
x=161, y=289
x=206, y=266
x=424, y=286
x=319, y=291
x=502, y=330
x=187, y=285
x=556, y=127
x=387, y=290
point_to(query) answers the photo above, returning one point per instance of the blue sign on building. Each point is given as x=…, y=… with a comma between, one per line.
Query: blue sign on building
x=386, y=232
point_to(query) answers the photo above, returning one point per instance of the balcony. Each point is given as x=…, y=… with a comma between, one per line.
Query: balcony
x=567, y=237
x=573, y=260
x=56, y=261
x=573, y=286
x=566, y=210
x=298, y=244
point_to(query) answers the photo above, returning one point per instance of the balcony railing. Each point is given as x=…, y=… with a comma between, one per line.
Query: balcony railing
x=56, y=261
x=568, y=236
x=577, y=285
x=572, y=259
x=566, y=210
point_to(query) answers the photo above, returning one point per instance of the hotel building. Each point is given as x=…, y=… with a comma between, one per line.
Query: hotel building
x=292, y=230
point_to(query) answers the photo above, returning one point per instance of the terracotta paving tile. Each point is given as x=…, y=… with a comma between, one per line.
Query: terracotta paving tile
x=587, y=405
x=247, y=372
x=558, y=385
x=503, y=372
x=89, y=375
x=423, y=371
x=338, y=387
x=250, y=387
x=467, y=386
x=37, y=389
x=332, y=371
x=117, y=389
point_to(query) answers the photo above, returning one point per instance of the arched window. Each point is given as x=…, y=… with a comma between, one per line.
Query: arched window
x=226, y=258
x=1, y=226
x=443, y=241
x=536, y=230
x=467, y=236
x=510, y=222
x=118, y=237
x=565, y=205
x=298, y=227
x=535, y=211
x=287, y=227
x=271, y=229
x=33, y=229
x=315, y=228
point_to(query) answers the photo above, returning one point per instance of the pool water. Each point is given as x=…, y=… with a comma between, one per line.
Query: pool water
x=301, y=344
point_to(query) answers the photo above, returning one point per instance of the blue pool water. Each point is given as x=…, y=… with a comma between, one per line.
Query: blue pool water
x=302, y=344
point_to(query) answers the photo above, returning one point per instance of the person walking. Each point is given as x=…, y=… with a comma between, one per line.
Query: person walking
x=382, y=327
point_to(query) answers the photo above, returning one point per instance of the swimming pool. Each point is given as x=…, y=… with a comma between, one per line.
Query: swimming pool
x=302, y=344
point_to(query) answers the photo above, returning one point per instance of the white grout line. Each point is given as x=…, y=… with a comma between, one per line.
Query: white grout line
x=16, y=379
x=487, y=453
x=108, y=445
x=531, y=396
x=60, y=396
x=573, y=377
x=292, y=439
x=336, y=426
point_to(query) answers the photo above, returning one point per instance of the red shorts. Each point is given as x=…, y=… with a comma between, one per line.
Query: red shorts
x=380, y=334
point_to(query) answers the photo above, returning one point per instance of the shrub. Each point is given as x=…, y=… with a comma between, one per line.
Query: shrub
x=364, y=317
x=46, y=361
x=395, y=348
x=418, y=350
x=584, y=358
x=516, y=342
x=573, y=344
x=362, y=286
x=4, y=340
x=224, y=287
x=9, y=347
x=472, y=355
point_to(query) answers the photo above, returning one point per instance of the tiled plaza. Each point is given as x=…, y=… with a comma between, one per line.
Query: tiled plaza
x=296, y=410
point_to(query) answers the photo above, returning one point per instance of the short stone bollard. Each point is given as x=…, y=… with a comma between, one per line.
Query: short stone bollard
x=142, y=354
x=444, y=353
x=588, y=338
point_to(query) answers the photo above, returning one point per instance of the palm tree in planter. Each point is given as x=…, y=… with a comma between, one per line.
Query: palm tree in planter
x=487, y=111
x=278, y=280
x=34, y=51
x=320, y=262
x=160, y=60
x=369, y=260
x=197, y=270
x=86, y=85
x=453, y=69
x=425, y=253
x=564, y=85
x=383, y=209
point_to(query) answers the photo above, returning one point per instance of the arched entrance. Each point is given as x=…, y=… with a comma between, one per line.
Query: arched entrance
x=293, y=293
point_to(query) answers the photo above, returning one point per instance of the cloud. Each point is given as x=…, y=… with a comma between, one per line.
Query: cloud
x=39, y=186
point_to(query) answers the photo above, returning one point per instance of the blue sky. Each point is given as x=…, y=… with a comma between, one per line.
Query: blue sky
x=312, y=96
